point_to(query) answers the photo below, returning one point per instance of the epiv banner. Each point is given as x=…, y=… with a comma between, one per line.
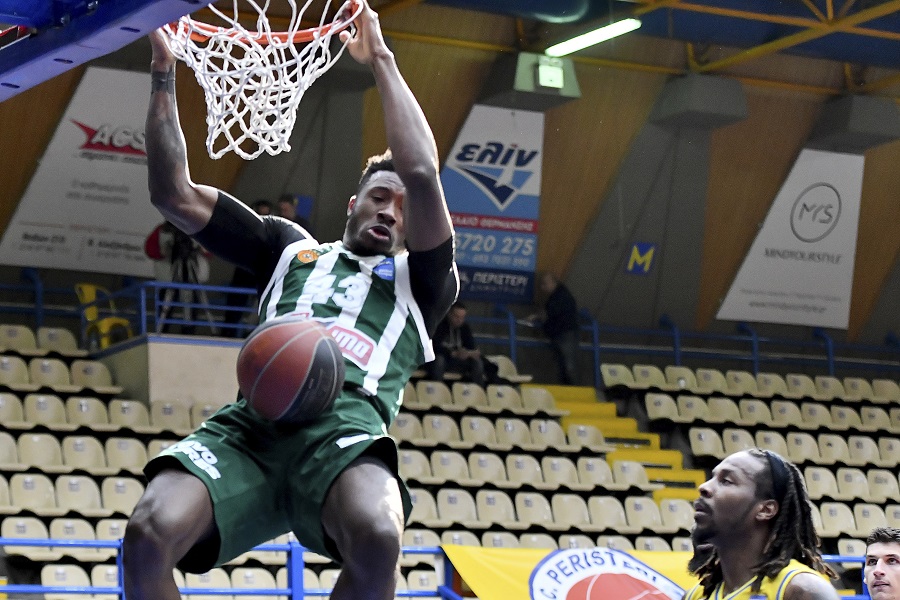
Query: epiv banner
x=492, y=180
x=87, y=207
x=799, y=270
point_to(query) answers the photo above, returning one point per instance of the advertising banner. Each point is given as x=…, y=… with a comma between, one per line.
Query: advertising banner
x=799, y=270
x=87, y=207
x=492, y=179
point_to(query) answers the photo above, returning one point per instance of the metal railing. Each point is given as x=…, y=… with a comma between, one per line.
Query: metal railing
x=295, y=589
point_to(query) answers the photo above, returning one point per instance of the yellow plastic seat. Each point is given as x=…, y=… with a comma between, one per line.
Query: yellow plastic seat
x=14, y=374
x=52, y=373
x=570, y=511
x=63, y=576
x=12, y=414
x=85, y=453
x=89, y=411
x=607, y=512
x=76, y=529
x=507, y=369
x=407, y=428
x=772, y=440
x=538, y=540
x=458, y=507
x=31, y=528
x=533, y=508
x=34, y=491
x=121, y=494
x=499, y=539
x=413, y=464
x=103, y=325
x=487, y=466
x=80, y=494
x=127, y=454
x=450, y=466
x=496, y=507
x=46, y=409
x=43, y=451
x=706, y=442
x=459, y=538
x=467, y=395
x=95, y=376
x=214, y=578
x=59, y=340
x=616, y=542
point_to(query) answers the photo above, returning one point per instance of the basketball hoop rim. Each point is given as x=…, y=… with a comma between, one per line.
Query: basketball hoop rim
x=201, y=32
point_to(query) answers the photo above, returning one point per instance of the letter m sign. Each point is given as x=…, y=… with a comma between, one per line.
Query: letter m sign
x=641, y=259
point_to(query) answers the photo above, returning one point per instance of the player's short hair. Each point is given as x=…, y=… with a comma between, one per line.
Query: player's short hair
x=379, y=162
x=884, y=535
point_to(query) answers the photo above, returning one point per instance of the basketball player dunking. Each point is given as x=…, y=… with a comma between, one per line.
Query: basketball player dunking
x=754, y=534
x=239, y=480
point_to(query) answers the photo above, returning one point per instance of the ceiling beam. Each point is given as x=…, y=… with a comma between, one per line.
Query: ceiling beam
x=820, y=30
x=392, y=6
x=879, y=84
x=763, y=17
x=815, y=10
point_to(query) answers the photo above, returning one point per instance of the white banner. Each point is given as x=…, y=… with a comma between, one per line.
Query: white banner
x=87, y=207
x=799, y=270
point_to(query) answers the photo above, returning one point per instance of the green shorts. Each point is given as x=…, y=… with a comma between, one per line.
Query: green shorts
x=267, y=479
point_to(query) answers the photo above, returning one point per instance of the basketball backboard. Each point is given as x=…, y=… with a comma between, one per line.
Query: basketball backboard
x=49, y=37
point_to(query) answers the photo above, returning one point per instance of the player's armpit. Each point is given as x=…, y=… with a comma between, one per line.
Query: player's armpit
x=807, y=586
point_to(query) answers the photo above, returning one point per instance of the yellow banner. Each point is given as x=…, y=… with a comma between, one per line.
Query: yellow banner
x=504, y=573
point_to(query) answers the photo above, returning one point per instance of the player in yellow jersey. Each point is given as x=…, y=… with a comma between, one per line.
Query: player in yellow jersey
x=753, y=522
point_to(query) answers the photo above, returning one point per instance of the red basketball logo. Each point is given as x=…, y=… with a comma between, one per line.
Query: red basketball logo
x=614, y=586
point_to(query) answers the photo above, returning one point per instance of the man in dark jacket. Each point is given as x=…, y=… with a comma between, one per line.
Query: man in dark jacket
x=561, y=327
x=455, y=350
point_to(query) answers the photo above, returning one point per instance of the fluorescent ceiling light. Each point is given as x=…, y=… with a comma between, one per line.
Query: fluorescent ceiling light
x=590, y=38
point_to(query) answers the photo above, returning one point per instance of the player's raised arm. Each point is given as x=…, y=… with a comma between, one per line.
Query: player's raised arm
x=186, y=205
x=409, y=138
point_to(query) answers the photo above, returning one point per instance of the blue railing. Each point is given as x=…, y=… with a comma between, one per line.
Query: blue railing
x=155, y=306
x=295, y=564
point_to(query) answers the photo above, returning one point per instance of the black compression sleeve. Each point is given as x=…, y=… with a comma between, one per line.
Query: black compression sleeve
x=434, y=282
x=236, y=234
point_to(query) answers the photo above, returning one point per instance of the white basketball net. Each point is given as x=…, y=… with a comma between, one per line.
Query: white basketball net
x=254, y=80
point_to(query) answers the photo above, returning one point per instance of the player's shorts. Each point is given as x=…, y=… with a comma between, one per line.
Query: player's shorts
x=267, y=479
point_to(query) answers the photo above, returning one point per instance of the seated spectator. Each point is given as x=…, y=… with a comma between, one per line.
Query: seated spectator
x=455, y=350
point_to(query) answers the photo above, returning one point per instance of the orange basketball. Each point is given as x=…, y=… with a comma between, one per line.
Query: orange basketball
x=290, y=369
x=614, y=586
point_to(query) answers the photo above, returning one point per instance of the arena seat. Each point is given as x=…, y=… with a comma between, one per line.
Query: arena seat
x=771, y=440
x=587, y=436
x=608, y=513
x=9, y=453
x=459, y=538
x=642, y=512
x=570, y=512
x=63, y=576
x=801, y=385
x=816, y=415
x=786, y=414
x=80, y=494
x=851, y=547
x=86, y=453
x=618, y=376
x=95, y=376
x=105, y=576
x=726, y=410
x=468, y=395
x=803, y=448
x=533, y=508
x=250, y=578
x=413, y=464
x=889, y=450
x=868, y=516
x=487, y=466
x=171, y=416
x=507, y=369
x=857, y=389
x=821, y=483
x=52, y=373
x=121, y=494
x=457, y=506
x=694, y=408
x=772, y=384
x=505, y=397
x=424, y=508
x=48, y=410
x=154, y=447
x=14, y=374
x=576, y=540
x=76, y=529
x=829, y=388
x=495, y=506
x=560, y=471
x=833, y=449
x=433, y=394
x=442, y=429
x=42, y=451
x=595, y=471
x=499, y=539
x=844, y=418
x=12, y=414
x=550, y=433
x=20, y=526
x=892, y=515
x=706, y=442
x=419, y=538
x=883, y=485
x=131, y=414
x=6, y=506
x=515, y=432
x=682, y=378
x=59, y=340
x=682, y=543
x=407, y=428
x=200, y=412
x=651, y=377
x=616, y=542
x=711, y=381
x=88, y=411
x=662, y=410
x=538, y=540
x=328, y=578
x=125, y=453
x=19, y=339
x=676, y=513
x=864, y=451
x=852, y=483
x=632, y=473
x=524, y=469
x=478, y=430
x=651, y=543
x=451, y=466
x=540, y=400
x=743, y=383
x=214, y=578
x=885, y=390
x=837, y=520
x=736, y=440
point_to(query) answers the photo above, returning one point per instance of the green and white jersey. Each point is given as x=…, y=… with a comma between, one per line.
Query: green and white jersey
x=367, y=304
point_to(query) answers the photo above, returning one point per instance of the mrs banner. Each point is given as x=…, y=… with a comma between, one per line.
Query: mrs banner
x=799, y=270
x=87, y=207
x=492, y=180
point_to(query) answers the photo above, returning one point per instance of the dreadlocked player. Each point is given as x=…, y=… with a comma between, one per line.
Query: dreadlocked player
x=753, y=518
